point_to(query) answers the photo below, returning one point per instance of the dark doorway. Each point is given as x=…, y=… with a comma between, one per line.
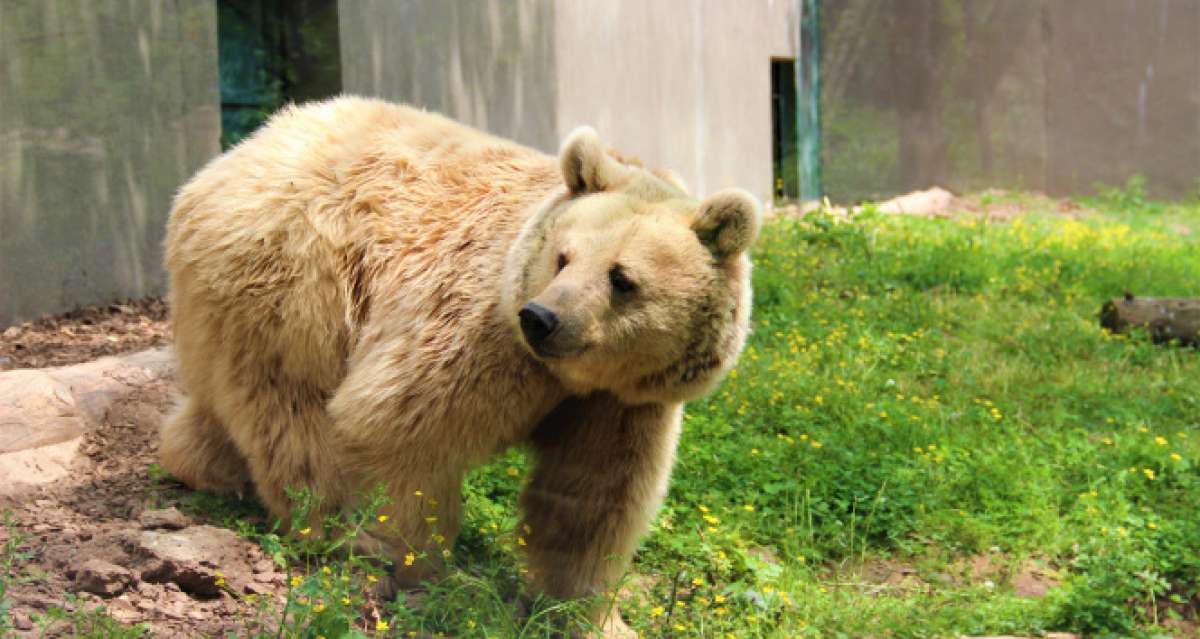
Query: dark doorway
x=785, y=145
x=273, y=52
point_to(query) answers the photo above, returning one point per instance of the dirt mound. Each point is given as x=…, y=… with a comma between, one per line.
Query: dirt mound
x=108, y=535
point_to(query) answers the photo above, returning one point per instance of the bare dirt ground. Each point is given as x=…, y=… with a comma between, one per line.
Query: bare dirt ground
x=109, y=537
x=85, y=334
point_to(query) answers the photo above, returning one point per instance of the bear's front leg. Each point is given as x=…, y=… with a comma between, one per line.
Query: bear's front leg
x=601, y=475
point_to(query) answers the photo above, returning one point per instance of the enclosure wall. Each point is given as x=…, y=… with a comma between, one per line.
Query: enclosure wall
x=1044, y=94
x=679, y=84
x=106, y=107
x=488, y=63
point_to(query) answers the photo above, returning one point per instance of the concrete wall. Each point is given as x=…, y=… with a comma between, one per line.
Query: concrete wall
x=488, y=63
x=1044, y=94
x=106, y=107
x=680, y=84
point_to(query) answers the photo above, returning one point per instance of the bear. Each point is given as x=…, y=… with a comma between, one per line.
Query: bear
x=363, y=294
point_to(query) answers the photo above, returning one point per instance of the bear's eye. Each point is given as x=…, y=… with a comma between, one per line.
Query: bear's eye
x=619, y=281
x=562, y=261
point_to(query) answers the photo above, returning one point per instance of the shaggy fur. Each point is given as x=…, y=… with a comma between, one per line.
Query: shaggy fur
x=345, y=288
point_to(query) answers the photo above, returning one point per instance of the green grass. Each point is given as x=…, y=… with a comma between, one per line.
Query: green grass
x=917, y=394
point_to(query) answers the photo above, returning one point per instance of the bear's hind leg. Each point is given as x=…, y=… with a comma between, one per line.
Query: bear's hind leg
x=196, y=448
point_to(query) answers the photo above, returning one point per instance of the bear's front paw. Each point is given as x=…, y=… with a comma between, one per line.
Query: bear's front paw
x=613, y=627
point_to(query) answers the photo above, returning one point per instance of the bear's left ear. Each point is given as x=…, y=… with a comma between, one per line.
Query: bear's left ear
x=586, y=165
x=728, y=222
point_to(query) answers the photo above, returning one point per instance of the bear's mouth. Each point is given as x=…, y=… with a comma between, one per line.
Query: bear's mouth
x=548, y=350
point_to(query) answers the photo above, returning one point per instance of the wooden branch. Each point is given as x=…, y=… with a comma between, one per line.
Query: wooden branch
x=1165, y=318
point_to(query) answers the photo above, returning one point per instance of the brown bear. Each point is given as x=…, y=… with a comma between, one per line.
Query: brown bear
x=365, y=293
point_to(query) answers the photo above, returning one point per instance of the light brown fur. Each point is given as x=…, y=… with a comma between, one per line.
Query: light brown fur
x=345, y=287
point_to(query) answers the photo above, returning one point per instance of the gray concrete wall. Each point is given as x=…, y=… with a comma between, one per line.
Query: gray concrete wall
x=679, y=84
x=488, y=63
x=106, y=107
x=1043, y=94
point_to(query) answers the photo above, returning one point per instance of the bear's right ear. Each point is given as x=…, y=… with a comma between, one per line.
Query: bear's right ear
x=586, y=165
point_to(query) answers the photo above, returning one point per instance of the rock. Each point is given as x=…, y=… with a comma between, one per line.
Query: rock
x=124, y=614
x=45, y=413
x=933, y=202
x=167, y=518
x=102, y=578
x=196, y=558
x=21, y=621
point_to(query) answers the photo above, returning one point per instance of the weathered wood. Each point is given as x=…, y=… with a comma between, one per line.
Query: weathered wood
x=1164, y=318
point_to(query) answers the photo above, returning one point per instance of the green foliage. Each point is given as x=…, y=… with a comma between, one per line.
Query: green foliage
x=11, y=556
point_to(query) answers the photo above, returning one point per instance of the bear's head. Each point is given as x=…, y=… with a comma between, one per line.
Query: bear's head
x=623, y=282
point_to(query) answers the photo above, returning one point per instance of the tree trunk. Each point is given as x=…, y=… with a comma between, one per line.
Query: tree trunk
x=1165, y=318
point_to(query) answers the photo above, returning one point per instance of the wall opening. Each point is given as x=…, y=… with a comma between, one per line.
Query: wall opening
x=272, y=52
x=785, y=145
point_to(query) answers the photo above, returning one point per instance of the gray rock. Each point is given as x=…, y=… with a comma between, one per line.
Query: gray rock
x=167, y=518
x=102, y=578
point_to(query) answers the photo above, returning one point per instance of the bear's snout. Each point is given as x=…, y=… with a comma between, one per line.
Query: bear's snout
x=537, y=323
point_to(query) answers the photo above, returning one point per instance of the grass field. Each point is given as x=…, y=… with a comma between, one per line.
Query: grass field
x=927, y=426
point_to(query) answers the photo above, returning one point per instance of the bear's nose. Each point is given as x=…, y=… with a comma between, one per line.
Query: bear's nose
x=537, y=323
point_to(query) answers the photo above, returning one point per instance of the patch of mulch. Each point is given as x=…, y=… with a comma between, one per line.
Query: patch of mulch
x=109, y=536
x=85, y=334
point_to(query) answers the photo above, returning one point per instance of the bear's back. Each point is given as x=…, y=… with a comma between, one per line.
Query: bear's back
x=342, y=211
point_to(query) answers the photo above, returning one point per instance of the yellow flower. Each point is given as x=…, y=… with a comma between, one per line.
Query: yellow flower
x=1160, y=440
x=657, y=611
x=754, y=451
x=720, y=611
x=345, y=601
x=430, y=519
x=409, y=559
x=816, y=444
x=1176, y=457
x=1151, y=525
x=719, y=598
x=1107, y=441
x=382, y=518
x=381, y=626
x=297, y=580
x=748, y=508
x=318, y=608
x=305, y=531
x=520, y=541
x=1149, y=473
x=712, y=520
x=372, y=578
x=698, y=581
x=220, y=581
x=326, y=570
x=418, y=493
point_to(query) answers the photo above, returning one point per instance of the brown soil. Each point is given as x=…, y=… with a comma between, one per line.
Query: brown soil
x=88, y=548
x=85, y=334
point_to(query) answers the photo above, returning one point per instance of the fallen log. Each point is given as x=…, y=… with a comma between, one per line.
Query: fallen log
x=1164, y=318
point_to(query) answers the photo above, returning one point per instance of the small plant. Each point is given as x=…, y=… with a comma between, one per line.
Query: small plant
x=11, y=556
